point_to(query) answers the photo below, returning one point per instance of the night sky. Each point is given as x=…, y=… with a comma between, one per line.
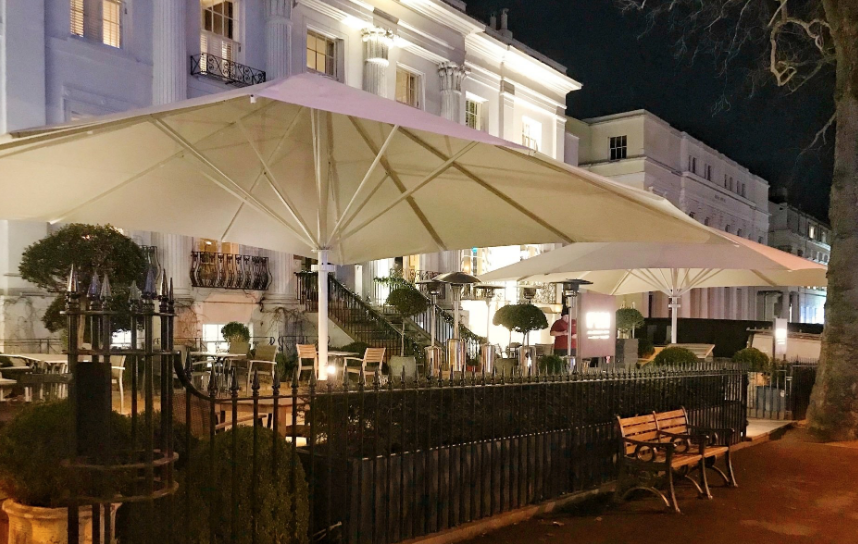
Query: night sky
x=622, y=68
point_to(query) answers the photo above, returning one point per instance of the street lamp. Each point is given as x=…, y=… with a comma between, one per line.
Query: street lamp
x=570, y=295
x=433, y=352
x=487, y=352
x=455, y=351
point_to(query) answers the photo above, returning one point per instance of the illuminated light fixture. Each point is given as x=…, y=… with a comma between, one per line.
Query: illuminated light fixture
x=332, y=370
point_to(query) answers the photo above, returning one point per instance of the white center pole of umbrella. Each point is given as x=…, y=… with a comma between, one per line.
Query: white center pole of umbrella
x=432, y=323
x=456, y=363
x=322, y=361
x=674, y=315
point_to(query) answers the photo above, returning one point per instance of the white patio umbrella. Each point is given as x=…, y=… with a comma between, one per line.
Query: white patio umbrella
x=622, y=268
x=313, y=167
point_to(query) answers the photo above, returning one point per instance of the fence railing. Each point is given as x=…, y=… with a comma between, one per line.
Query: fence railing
x=229, y=271
x=781, y=393
x=232, y=73
x=386, y=463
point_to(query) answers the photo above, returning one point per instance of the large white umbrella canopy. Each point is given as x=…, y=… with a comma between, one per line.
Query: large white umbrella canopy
x=622, y=268
x=313, y=167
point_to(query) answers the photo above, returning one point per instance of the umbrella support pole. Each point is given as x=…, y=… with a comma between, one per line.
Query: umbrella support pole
x=323, y=269
x=674, y=316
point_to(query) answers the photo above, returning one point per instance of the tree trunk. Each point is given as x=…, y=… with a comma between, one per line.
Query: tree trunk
x=833, y=413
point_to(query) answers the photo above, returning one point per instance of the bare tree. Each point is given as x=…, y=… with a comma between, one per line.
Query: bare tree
x=802, y=39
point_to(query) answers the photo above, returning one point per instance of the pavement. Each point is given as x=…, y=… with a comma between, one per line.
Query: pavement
x=792, y=489
x=758, y=428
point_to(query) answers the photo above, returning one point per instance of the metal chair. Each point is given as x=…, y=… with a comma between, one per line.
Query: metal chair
x=264, y=356
x=117, y=373
x=370, y=364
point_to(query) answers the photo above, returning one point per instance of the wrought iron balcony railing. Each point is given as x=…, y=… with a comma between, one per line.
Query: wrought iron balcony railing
x=231, y=72
x=229, y=271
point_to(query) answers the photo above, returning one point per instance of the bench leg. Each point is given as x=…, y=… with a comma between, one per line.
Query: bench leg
x=671, y=493
x=621, y=494
x=704, y=480
x=728, y=478
x=729, y=460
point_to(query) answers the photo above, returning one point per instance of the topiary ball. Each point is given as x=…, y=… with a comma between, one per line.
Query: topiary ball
x=674, y=356
x=756, y=360
x=210, y=479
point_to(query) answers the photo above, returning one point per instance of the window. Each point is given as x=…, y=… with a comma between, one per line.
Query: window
x=707, y=171
x=77, y=17
x=706, y=221
x=219, y=29
x=408, y=87
x=692, y=164
x=725, y=181
x=618, y=147
x=531, y=133
x=811, y=232
x=742, y=192
x=728, y=229
x=759, y=239
x=111, y=24
x=474, y=114
x=321, y=54
x=740, y=233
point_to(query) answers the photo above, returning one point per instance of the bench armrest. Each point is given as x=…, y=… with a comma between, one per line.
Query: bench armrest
x=685, y=441
x=647, y=451
x=715, y=436
x=360, y=360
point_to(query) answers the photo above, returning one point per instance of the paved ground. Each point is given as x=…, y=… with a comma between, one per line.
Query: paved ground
x=792, y=490
x=759, y=427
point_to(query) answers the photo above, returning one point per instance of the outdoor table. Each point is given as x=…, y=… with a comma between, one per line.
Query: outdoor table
x=220, y=359
x=244, y=409
x=339, y=359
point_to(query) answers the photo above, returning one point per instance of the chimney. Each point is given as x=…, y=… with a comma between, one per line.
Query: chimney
x=493, y=21
x=504, y=28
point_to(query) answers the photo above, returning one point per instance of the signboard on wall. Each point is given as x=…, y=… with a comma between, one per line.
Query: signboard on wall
x=781, y=335
x=597, y=327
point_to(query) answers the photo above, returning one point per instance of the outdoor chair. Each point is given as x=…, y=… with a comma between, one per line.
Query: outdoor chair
x=370, y=364
x=306, y=351
x=264, y=357
x=6, y=385
x=117, y=374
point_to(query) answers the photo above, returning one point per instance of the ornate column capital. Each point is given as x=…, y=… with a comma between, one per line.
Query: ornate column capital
x=278, y=9
x=376, y=44
x=452, y=75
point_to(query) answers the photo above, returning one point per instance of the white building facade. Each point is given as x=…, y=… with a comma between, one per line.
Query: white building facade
x=796, y=232
x=644, y=151
x=62, y=60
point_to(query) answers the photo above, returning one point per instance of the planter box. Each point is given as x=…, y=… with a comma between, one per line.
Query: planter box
x=35, y=525
x=627, y=352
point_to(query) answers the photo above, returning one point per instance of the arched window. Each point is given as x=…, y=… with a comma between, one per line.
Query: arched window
x=728, y=229
x=706, y=221
x=740, y=233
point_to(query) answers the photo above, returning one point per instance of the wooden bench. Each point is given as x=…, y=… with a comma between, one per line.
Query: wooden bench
x=665, y=443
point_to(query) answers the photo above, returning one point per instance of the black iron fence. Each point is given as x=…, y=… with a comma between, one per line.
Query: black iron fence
x=386, y=462
x=230, y=72
x=229, y=271
x=782, y=393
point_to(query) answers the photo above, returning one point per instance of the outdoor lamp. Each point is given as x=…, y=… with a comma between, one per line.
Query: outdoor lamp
x=433, y=353
x=457, y=281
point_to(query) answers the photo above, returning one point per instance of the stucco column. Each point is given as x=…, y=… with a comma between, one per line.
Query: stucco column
x=169, y=52
x=506, y=112
x=376, y=47
x=281, y=266
x=452, y=75
x=278, y=37
x=174, y=254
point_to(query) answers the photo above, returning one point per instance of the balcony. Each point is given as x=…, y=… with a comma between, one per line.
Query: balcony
x=229, y=271
x=232, y=73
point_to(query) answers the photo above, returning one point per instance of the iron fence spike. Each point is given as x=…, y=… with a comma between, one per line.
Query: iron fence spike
x=255, y=385
x=275, y=382
x=72, y=282
x=233, y=386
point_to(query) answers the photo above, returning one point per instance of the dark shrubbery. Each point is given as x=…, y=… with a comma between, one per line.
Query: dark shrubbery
x=756, y=360
x=674, y=356
x=645, y=348
x=551, y=364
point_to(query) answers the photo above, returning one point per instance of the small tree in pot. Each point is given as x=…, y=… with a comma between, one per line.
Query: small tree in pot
x=628, y=319
x=235, y=332
x=521, y=318
x=408, y=302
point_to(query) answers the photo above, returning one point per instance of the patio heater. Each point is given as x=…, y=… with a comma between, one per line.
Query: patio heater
x=526, y=353
x=570, y=295
x=487, y=350
x=433, y=352
x=455, y=349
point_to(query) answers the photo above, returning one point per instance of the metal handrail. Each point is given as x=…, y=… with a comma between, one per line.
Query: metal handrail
x=231, y=72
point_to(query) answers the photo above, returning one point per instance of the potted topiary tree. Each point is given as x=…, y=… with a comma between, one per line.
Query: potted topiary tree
x=408, y=302
x=628, y=319
x=674, y=356
x=234, y=332
x=33, y=447
x=521, y=318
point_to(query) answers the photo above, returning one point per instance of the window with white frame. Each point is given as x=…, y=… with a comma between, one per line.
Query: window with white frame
x=618, y=147
x=531, y=133
x=219, y=29
x=77, y=17
x=707, y=171
x=742, y=190
x=474, y=113
x=111, y=23
x=321, y=54
x=409, y=87
x=212, y=338
x=811, y=232
x=692, y=164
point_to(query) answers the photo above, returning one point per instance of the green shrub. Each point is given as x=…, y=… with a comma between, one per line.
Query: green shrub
x=645, y=348
x=211, y=494
x=628, y=319
x=407, y=301
x=235, y=332
x=551, y=364
x=355, y=347
x=756, y=360
x=674, y=356
x=33, y=447
x=286, y=365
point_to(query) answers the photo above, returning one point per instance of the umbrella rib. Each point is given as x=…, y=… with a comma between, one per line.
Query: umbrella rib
x=321, y=185
x=491, y=189
x=236, y=189
x=269, y=176
x=399, y=185
x=133, y=178
x=344, y=221
x=434, y=174
x=621, y=282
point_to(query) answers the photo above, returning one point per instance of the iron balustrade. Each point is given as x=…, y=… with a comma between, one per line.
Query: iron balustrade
x=229, y=271
x=360, y=320
x=228, y=71
x=782, y=393
x=413, y=456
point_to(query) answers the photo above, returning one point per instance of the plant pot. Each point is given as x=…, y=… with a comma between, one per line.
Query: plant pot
x=627, y=351
x=37, y=525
